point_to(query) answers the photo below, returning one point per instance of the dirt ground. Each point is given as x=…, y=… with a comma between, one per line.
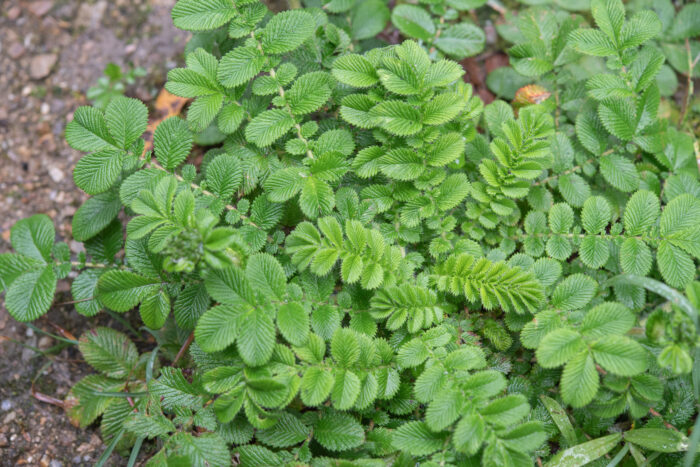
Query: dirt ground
x=51, y=52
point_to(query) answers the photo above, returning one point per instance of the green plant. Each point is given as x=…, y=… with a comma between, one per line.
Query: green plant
x=112, y=84
x=372, y=267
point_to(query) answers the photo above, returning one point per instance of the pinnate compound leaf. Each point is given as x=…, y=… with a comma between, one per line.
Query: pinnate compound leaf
x=172, y=142
x=397, y=117
x=257, y=456
x=640, y=28
x=316, y=198
x=469, y=434
x=676, y=266
x=293, y=323
x=239, y=66
x=288, y=431
x=96, y=172
x=174, y=389
x=316, y=385
x=345, y=347
x=574, y=292
x=417, y=439
x=34, y=237
x=594, y=251
x=31, y=294
x=266, y=275
x=202, y=15
x=620, y=355
x=218, y=328
x=641, y=212
x=506, y=411
x=619, y=118
x=687, y=22
x=609, y=318
x=346, y=389
x=558, y=347
x=619, y=172
x=413, y=21
x=88, y=130
x=526, y=437
x=256, y=339
x=355, y=70
x=496, y=284
x=635, y=257
x=268, y=127
x=596, y=214
x=579, y=381
x=155, y=309
x=287, y=30
x=95, y=214
x=592, y=42
x=609, y=16
x=309, y=92
x=338, y=432
x=126, y=120
x=84, y=290
x=461, y=40
x=123, y=290
x=109, y=351
x=230, y=286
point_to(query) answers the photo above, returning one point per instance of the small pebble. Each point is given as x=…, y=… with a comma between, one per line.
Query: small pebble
x=14, y=12
x=45, y=342
x=41, y=65
x=6, y=405
x=41, y=7
x=15, y=51
x=56, y=174
x=9, y=417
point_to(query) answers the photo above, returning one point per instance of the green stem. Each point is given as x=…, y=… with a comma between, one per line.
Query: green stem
x=54, y=336
x=620, y=455
x=108, y=452
x=135, y=452
x=690, y=84
x=194, y=186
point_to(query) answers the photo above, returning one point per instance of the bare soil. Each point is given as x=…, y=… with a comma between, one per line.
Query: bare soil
x=51, y=52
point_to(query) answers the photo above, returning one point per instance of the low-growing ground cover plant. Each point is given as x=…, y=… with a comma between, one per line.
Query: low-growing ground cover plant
x=369, y=266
